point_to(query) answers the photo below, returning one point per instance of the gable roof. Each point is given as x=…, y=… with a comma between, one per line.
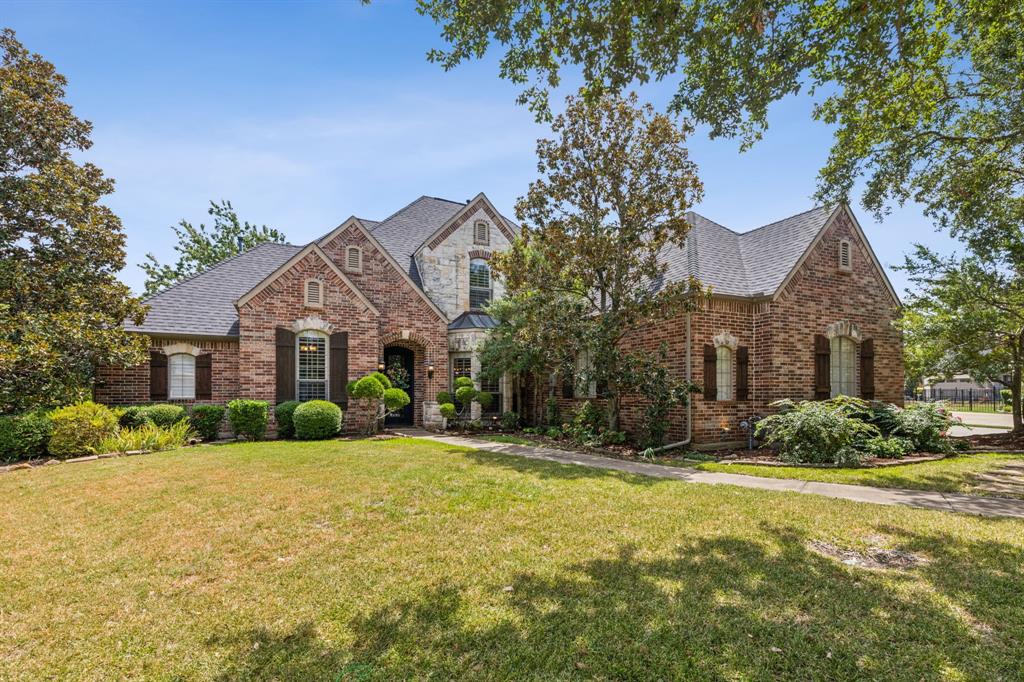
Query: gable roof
x=403, y=232
x=204, y=305
x=746, y=264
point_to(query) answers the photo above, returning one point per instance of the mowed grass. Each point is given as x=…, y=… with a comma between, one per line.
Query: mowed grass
x=407, y=559
x=951, y=475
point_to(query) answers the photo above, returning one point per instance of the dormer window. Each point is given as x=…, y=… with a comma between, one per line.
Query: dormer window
x=314, y=293
x=481, y=232
x=354, y=259
x=845, y=255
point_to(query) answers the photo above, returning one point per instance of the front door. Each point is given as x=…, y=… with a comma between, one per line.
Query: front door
x=399, y=366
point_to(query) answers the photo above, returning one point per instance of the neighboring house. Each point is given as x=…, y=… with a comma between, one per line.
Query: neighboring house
x=800, y=308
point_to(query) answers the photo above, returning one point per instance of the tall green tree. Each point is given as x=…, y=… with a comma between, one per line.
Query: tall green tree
x=61, y=305
x=924, y=97
x=968, y=316
x=615, y=184
x=199, y=249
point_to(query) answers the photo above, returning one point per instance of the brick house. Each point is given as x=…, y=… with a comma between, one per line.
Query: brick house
x=800, y=308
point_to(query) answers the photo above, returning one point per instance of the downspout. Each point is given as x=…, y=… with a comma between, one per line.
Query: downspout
x=689, y=401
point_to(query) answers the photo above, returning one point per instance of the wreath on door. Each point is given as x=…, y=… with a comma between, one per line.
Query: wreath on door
x=397, y=372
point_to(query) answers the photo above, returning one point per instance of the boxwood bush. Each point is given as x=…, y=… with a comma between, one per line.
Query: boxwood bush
x=24, y=436
x=165, y=414
x=205, y=419
x=316, y=420
x=135, y=416
x=79, y=429
x=249, y=418
x=283, y=413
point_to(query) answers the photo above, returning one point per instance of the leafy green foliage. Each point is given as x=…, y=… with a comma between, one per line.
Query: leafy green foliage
x=61, y=304
x=248, y=418
x=444, y=397
x=283, y=414
x=926, y=426
x=164, y=414
x=317, y=420
x=552, y=412
x=79, y=429
x=148, y=437
x=509, y=421
x=661, y=393
x=814, y=432
x=368, y=388
x=448, y=411
x=24, y=436
x=465, y=394
x=200, y=249
x=384, y=380
x=395, y=399
x=892, y=447
x=206, y=419
x=134, y=416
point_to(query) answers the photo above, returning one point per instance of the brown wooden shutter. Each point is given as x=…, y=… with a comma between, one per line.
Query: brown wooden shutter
x=867, y=369
x=157, y=375
x=822, y=367
x=285, y=365
x=742, y=368
x=339, y=368
x=204, y=376
x=710, y=372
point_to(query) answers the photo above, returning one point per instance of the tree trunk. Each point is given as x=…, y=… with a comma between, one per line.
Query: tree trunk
x=1015, y=390
x=614, y=406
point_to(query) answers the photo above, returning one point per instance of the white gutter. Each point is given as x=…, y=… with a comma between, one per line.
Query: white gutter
x=689, y=401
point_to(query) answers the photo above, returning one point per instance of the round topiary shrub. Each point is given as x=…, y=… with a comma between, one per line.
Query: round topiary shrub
x=79, y=429
x=249, y=418
x=284, y=412
x=382, y=378
x=395, y=399
x=448, y=411
x=165, y=415
x=444, y=397
x=368, y=388
x=316, y=420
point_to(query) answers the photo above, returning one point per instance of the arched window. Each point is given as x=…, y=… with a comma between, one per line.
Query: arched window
x=724, y=372
x=479, y=283
x=181, y=377
x=843, y=363
x=311, y=365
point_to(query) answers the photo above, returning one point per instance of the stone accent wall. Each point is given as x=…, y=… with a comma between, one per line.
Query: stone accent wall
x=444, y=263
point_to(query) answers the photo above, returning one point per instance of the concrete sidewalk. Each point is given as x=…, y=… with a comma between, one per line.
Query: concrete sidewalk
x=994, y=420
x=921, y=499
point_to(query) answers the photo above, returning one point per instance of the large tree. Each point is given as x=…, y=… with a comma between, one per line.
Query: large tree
x=615, y=184
x=199, y=249
x=968, y=316
x=61, y=305
x=924, y=97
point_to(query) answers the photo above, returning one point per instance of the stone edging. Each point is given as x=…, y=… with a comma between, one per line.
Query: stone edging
x=825, y=465
x=35, y=464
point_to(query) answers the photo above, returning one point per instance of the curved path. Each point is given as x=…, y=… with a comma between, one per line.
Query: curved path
x=921, y=499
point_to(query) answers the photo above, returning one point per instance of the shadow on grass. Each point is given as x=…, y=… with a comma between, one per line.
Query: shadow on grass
x=545, y=468
x=719, y=608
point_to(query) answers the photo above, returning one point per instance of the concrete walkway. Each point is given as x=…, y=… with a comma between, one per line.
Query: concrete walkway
x=921, y=499
x=994, y=420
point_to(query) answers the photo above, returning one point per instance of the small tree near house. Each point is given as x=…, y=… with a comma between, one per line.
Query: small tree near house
x=465, y=395
x=379, y=398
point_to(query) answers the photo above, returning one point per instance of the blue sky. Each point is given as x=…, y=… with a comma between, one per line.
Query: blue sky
x=303, y=114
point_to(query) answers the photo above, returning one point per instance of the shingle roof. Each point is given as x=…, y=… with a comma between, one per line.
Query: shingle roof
x=753, y=263
x=403, y=232
x=472, y=319
x=204, y=305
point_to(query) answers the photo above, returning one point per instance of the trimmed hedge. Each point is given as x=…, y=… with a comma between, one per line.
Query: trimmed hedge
x=79, y=429
x=249, y=418
x=24, y=436
x=135, y=416
x=316, y=420
x=164, y=415
x=206, y=420
x=283, y=413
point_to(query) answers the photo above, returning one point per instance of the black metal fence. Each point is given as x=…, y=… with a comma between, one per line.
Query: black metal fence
x=968, y=399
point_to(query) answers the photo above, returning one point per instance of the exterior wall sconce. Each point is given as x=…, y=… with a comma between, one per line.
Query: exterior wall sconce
x=430, y=370
x=380, y=365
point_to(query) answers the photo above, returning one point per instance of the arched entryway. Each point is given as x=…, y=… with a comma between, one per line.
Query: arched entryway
x=400, y=366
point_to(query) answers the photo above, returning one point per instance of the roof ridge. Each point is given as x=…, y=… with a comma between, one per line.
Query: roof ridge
x=219, y=264
x=790, y=217
x=713, y=222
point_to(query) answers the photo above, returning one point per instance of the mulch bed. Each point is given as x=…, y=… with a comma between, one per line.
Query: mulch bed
x=1007, y=441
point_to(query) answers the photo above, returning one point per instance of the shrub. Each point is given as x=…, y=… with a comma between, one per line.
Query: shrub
x=249, y=418
x=553, y=432
x=814, y=432
x=474, y=425
x=485, y=399
x=509, y=421
x=384, y=380
x=1007, y=395
x=133, y=417
x=463, y=382
x=465, y=394
x=23, y=436
x=613, y=437
x=284, y=413
x=368, y=388
x=205, y=419
x=552, y=413
x=316, y=420
x=448, y=411
x=444, y=397
x=79, y=429
x=587, y=424
x=394, y=399
x=926, y=425
x=892, y=447
x=149, y=437
x=165, y=415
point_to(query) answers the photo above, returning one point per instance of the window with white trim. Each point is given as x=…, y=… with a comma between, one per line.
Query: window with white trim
x=314, y=293
x=845, y=255
x=481, y=233
x=311, y=365
x=181, y=377
x=462, y=366
x=724, y=373
x=354, y=259
x=479, y=283
x=843, y=363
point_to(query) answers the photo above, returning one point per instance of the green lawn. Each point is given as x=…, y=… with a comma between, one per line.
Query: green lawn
x=951, y=475
x=406, y=559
